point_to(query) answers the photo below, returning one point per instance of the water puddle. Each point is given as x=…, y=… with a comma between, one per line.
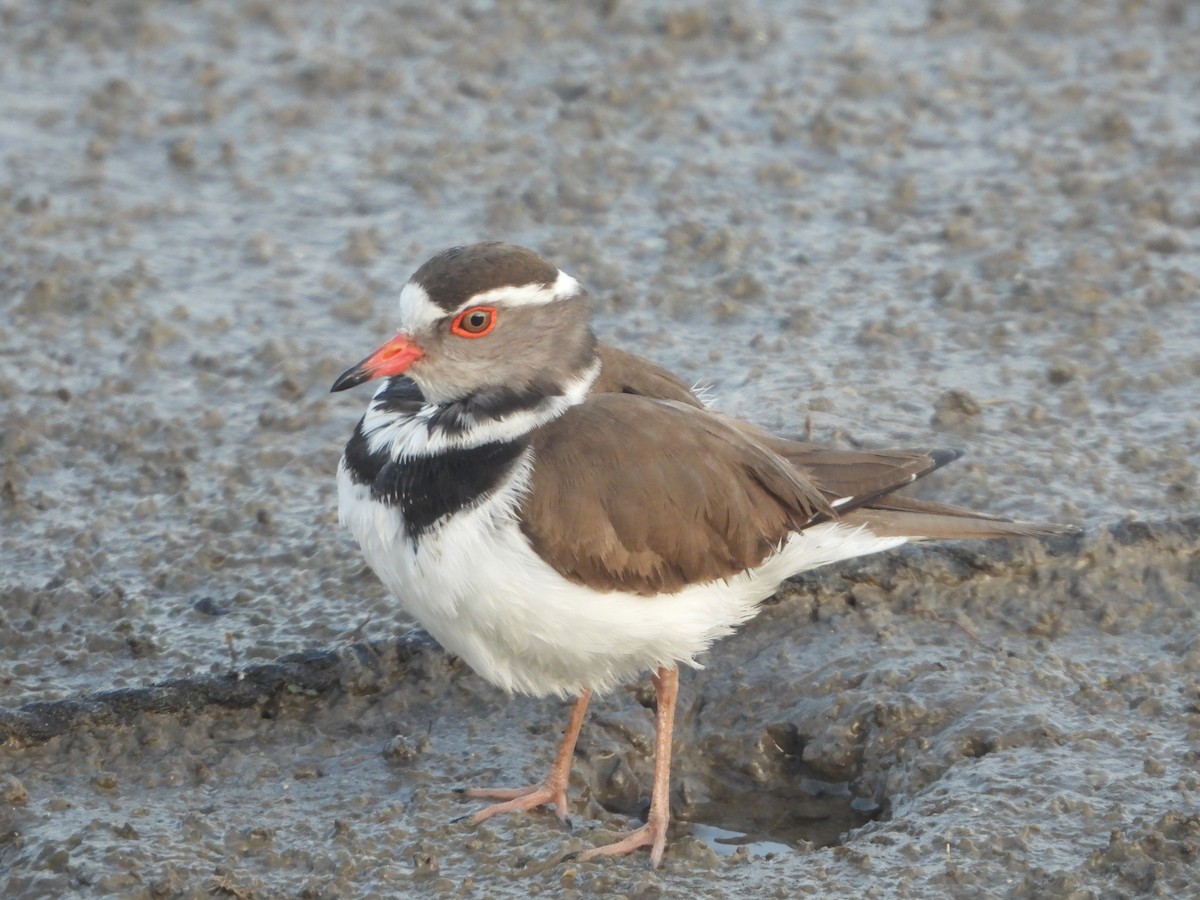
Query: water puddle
x=765, y=820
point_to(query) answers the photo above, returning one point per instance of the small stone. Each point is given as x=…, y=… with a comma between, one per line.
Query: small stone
x=209, y=607
x=425, y=861
x=400, y=751
x=1165, y=244
x=182, y=153
x=1061, y=373
x=955, y=408
x=13, y=791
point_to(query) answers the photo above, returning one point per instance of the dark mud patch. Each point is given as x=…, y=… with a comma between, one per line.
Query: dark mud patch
x=354, y=668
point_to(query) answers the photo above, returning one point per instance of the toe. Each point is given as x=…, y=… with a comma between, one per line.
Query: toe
x=651, y=836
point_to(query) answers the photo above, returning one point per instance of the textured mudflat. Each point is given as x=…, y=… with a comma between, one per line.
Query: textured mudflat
x=957, y=224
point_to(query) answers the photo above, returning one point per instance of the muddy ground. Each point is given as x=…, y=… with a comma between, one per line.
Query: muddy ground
x=938, y=223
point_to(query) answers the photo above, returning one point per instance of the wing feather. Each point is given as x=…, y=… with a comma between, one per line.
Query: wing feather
x=648, y=496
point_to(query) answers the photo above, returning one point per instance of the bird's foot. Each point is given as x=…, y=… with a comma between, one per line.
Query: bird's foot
x=523, y=799
x=653, y=835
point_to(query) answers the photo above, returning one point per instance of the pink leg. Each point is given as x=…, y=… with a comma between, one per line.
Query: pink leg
x=551, y=791
x=654, y=833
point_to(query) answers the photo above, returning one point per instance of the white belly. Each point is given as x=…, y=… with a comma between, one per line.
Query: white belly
x=475, y=584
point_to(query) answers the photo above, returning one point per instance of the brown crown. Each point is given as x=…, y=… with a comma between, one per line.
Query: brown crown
x=454, y=275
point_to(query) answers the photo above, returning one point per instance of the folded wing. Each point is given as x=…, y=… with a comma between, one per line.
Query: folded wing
x=647, y=496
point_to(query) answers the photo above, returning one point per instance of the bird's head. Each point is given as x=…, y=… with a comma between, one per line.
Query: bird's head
x=483, y=318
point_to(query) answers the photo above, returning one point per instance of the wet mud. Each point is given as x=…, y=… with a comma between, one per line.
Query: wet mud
x=916, y=721
x=971, y=225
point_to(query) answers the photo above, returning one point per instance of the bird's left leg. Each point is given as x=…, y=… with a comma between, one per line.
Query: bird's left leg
x=654, y=833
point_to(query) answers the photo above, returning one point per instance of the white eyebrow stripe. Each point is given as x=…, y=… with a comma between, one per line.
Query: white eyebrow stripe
x=561, y=288
x=417, y=310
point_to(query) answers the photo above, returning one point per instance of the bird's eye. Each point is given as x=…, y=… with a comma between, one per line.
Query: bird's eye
x=474, y=322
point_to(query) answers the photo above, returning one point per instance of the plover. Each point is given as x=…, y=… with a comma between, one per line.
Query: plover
x=566, y=516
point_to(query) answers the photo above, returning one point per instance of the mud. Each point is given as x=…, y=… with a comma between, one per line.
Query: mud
x=961, y=224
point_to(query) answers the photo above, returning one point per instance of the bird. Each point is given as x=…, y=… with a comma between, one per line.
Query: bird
x=566, y=516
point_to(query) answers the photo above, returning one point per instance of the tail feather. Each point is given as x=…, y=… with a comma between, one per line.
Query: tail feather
x=863, y=488
x=939, y=521
x=870, y=482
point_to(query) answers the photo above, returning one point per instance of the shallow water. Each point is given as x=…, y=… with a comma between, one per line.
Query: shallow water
x=836, y=220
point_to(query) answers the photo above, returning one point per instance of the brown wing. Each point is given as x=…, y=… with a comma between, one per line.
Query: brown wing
x=626, y=373
x=856, y=477
x=647, y=496
x=863, y=483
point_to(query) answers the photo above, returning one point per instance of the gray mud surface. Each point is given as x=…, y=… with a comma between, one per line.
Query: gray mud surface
x=970, y=224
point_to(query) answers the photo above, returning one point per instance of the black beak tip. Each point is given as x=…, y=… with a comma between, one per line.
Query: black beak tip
x=352, y=377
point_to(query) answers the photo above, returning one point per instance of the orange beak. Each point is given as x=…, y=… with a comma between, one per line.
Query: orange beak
x=393, y=358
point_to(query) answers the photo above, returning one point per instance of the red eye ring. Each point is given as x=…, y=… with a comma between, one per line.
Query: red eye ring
x=468, y=323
